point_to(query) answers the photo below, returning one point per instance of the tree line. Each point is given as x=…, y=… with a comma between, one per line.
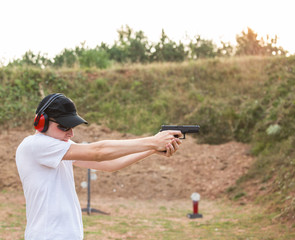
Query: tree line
x=134, y=47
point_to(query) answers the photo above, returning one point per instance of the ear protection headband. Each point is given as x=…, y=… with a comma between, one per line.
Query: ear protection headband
x=41, y=121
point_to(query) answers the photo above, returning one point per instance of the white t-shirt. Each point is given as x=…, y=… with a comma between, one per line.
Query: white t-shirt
x=52, y=206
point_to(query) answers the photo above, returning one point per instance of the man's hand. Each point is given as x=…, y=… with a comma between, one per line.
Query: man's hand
x=171, y=148
x=164, y=138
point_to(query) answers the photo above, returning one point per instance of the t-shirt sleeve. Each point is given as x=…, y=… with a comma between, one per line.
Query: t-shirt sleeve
x=49, y=151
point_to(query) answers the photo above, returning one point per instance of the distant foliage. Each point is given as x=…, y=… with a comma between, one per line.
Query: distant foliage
x=93, y=58
x=83, y=57
x=134, y=47
x=249, y=44
x=31, y=59
x=201, y=48
x=168, y=51
x=66, y=58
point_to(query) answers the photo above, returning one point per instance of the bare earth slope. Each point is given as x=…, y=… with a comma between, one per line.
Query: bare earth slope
x=206, y=169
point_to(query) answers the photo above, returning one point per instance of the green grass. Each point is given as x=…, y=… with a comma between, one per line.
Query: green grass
x=159, y=219
x=221, y=220
x=13, y=216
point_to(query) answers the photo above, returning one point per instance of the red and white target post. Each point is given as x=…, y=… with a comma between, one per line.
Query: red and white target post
x=195, y=198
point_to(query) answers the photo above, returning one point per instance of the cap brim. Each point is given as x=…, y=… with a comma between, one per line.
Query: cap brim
x=70, y=121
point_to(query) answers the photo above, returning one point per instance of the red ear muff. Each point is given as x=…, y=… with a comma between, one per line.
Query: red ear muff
x=41, y=122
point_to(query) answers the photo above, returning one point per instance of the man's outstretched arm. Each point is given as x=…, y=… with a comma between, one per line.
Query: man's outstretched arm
x=122, y=162
x=113, y=149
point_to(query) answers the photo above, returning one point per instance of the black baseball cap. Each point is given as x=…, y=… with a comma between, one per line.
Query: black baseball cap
x=61, y=109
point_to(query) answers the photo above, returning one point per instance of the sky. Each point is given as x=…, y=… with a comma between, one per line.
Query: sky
x=49, y=27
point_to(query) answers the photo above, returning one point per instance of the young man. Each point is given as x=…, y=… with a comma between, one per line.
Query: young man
x=45, y=164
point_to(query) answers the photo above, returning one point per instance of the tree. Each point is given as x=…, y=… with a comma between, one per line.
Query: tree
x=94, y=58
x=248, y=44
x=202, y=48
x=168, y=50
x=270, y=47
x=139, y=50
x=66, y=58
x=131, y=46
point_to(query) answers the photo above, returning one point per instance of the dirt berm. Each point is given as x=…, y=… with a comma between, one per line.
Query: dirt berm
x=206, y=169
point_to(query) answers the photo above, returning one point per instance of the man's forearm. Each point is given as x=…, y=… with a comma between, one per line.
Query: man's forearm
x=113, y=149
x=109, y=149
x=116, y=164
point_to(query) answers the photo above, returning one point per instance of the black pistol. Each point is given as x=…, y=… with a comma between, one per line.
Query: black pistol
x=183, y=128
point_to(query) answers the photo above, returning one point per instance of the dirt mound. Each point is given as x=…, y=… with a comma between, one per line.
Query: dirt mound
x=206, y=169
